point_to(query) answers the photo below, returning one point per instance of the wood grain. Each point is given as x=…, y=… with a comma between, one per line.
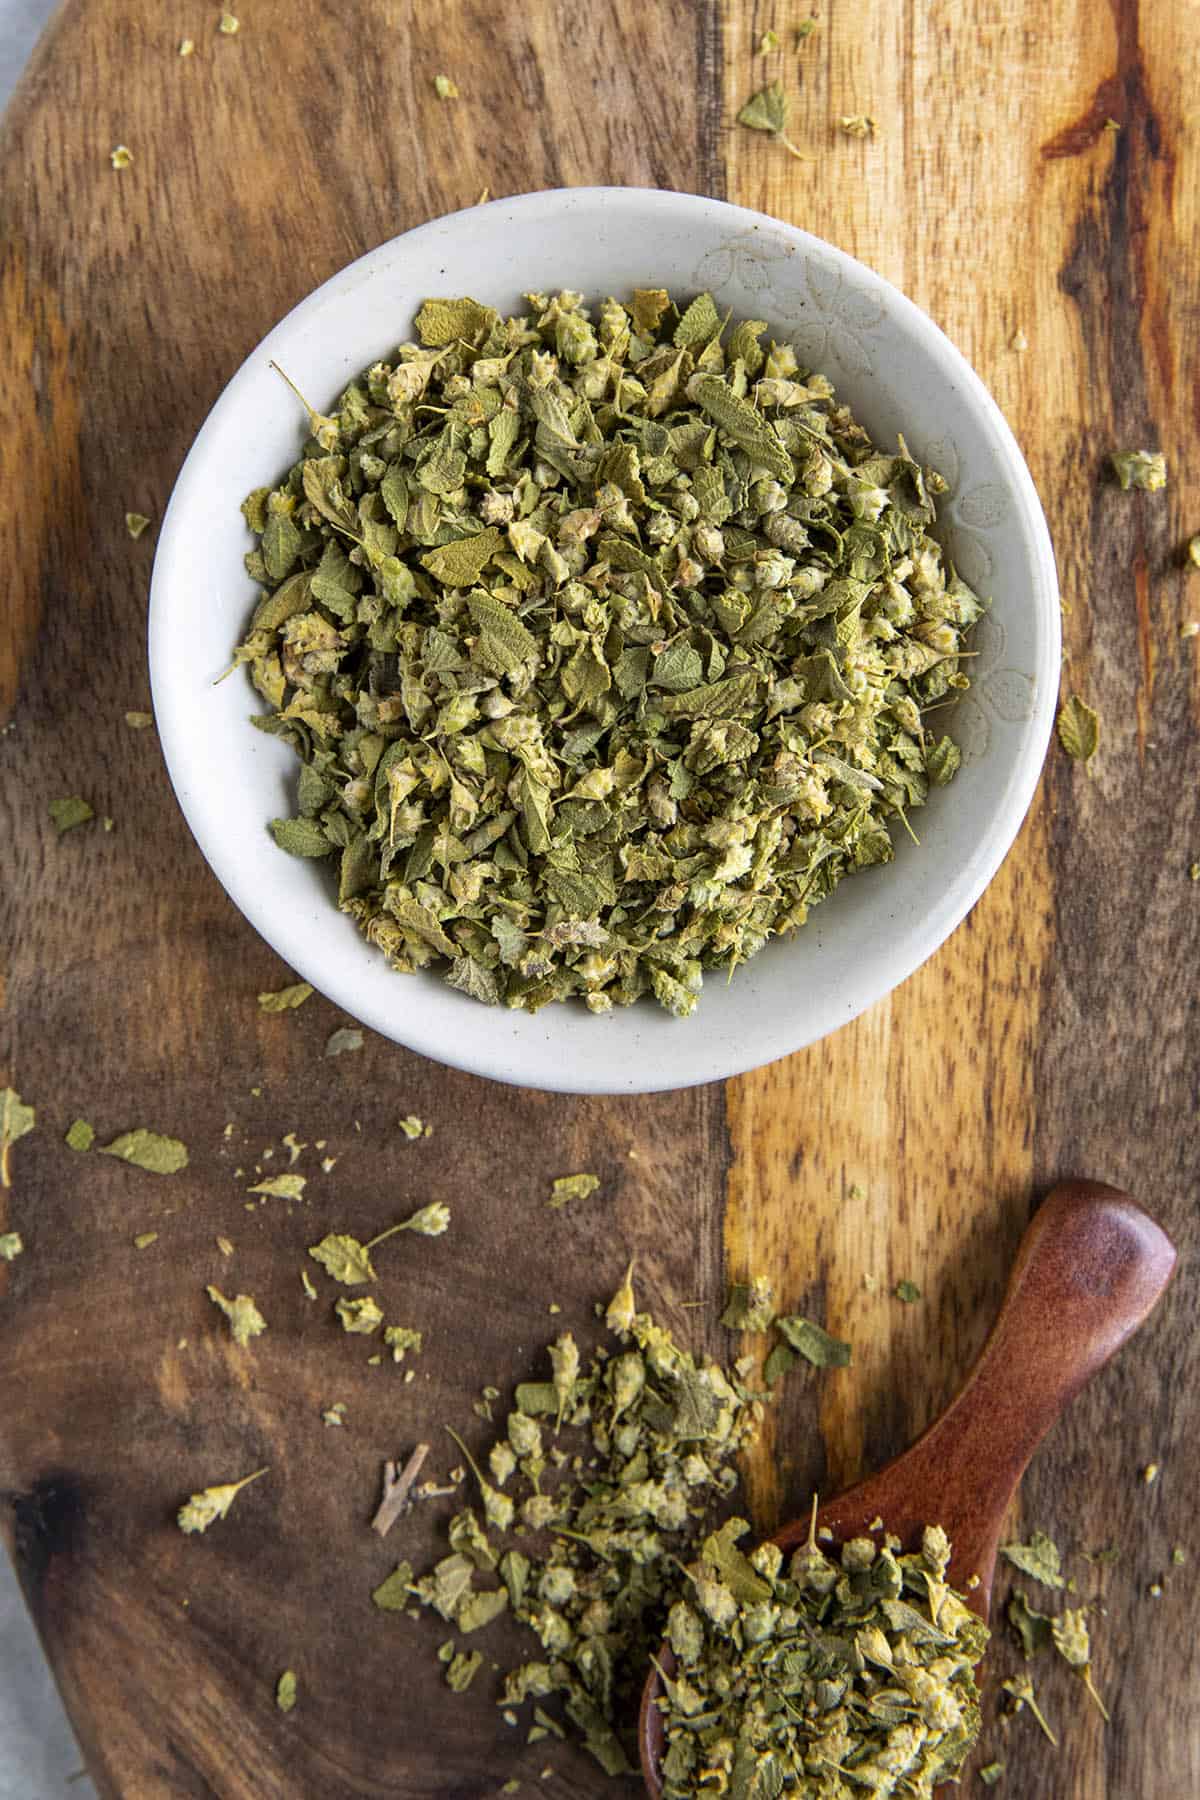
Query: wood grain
x=1055, y=1034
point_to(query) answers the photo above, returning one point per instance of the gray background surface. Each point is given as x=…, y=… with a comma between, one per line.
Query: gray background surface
x=37, y=1751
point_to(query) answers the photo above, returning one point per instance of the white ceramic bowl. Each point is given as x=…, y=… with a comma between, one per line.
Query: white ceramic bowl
x=895, y=369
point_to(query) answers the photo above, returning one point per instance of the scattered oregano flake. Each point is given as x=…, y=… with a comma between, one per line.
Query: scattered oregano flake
x=814, y=1343
x=135, y=524
x=345, y=1038
x=286, y=999
x=281, y=1187
x=362, y=1316
x=70, y=812
x=566, y=1188
x=444, y=88
x=750, y=1306
x=149, y=1150
x=285, y=1691
x=11, y=1246
x=1078, y=729
x=210, y=1504
x=1040, y=1558
x=1140, y=468
x=768, y=111
x=245, y=1320
x=16, y=1121
x=79, y=1136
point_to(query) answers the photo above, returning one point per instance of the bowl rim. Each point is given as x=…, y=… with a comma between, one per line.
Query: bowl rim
x=483, y=1053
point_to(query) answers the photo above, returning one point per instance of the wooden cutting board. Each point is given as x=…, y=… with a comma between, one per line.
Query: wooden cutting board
x=1054, y=1034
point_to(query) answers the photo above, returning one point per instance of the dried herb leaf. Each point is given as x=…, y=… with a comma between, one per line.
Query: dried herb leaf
x=400, y=1339
x=858, y=125
x=139, y=721
x=361, y=1316
x=344, y=1258
x=393, y=1594
x=300, y=837
x=69, y=813
x=462, y=1669
x=781, y=1360
x=814, y=1343
x=1040, y=1558
x=149, y=1150
x=428, y=1221
x=990, y=1773
x=445, y=88
x=135, y=524
x=285, y=999
x=245, y=1320
x=1078, y=729
x=572, y=1187
x=750, y=1306
x=1031, y=1626
x=16, y=1121
x=210, y=1504
x=1140, y=468
x=767, y=110
x=345, y=1038
x=281, y=1187
x=1073, y=1643
x=144, y=1239
x=908, y=1291
x=285, y=1691
x=1021, y=1688
x=10, y=1246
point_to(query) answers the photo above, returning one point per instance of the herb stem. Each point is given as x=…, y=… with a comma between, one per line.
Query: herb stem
x=397, y=1485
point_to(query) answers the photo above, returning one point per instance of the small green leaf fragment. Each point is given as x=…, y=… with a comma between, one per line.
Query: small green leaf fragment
x=344, y=1039
x=281, y=1187
x=10, y=1246
x=300, y=837
x=245, y=1320
x=212, y=1503
x=1039, y=1558
x=16, y=1121
x=361, y=1317
x=1078, y=729
x=566, y=1188
x=149, y=1150
x=285, y=999
x=69, y=813
x=814, y=1343
x=393, y=1594
x=135, y=524
x=344, y=1258
x=1140, y=468
x=285, y=1691
x=908, y=1291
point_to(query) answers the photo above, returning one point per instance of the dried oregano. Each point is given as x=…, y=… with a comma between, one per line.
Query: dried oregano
x=828, y=1679
x=604, y=637
x=601, y=1483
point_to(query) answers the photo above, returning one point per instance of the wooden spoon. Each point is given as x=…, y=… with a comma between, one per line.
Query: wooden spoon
x=1090, y=1268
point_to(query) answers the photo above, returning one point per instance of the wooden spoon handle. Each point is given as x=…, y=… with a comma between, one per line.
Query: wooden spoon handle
x=1090, y=1268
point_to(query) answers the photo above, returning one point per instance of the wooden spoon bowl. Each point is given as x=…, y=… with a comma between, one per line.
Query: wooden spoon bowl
x=1090, y=1269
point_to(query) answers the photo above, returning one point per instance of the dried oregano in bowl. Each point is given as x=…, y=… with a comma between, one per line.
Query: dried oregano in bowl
x=606, y=638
